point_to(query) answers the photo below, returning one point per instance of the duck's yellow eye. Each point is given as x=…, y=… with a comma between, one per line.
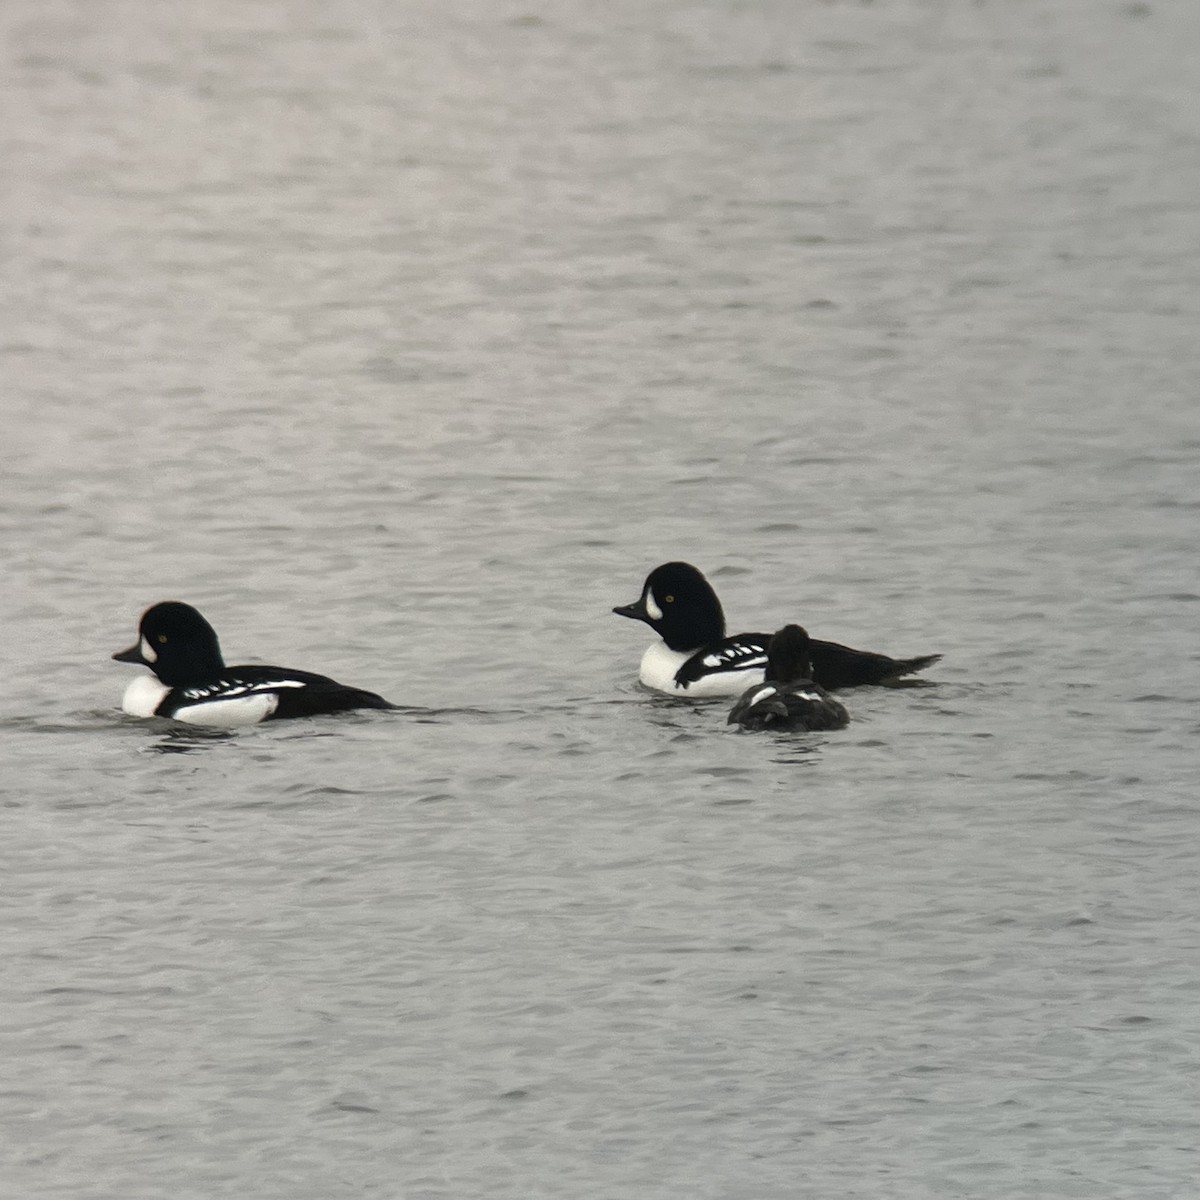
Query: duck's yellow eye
x=162, y=639
x=669, y=599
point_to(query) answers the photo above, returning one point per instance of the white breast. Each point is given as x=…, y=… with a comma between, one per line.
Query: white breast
x=143, y=696
x=660, y=663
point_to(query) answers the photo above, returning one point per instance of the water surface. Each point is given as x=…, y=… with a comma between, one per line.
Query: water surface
x=403, y=341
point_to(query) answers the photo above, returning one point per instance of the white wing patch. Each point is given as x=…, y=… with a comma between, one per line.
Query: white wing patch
x=739, y=655
x=806, y=695
x=763, y=693
x=224, y=689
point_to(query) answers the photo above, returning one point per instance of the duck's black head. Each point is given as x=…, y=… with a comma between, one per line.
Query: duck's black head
x=679, y=604
x=789, y=655
x=177, y=644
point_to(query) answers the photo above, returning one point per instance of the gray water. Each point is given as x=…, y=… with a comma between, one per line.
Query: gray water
x=403, y=340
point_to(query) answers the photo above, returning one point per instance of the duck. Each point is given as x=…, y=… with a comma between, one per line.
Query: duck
x=190, y=682
x=788, y=698
x=694, y=658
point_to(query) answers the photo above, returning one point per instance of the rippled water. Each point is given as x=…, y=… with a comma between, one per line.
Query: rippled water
x=403, y=340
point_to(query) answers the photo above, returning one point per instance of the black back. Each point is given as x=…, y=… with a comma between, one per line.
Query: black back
x=320, y=694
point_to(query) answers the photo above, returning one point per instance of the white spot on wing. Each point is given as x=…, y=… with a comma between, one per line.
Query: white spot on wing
x=740, y=655
x=763, y=693
x=226, y=689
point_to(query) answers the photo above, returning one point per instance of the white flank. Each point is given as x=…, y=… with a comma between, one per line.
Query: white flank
x=229, y=714
x=660, y=663
x=143, y=696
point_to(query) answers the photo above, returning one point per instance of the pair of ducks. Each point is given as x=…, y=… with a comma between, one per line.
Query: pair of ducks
x=784, y=676
x=789, y=673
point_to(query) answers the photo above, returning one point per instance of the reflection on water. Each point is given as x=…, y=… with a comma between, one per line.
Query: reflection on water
x=184, y=741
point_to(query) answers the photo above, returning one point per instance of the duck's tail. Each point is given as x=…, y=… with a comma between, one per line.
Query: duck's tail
x=908, y=666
